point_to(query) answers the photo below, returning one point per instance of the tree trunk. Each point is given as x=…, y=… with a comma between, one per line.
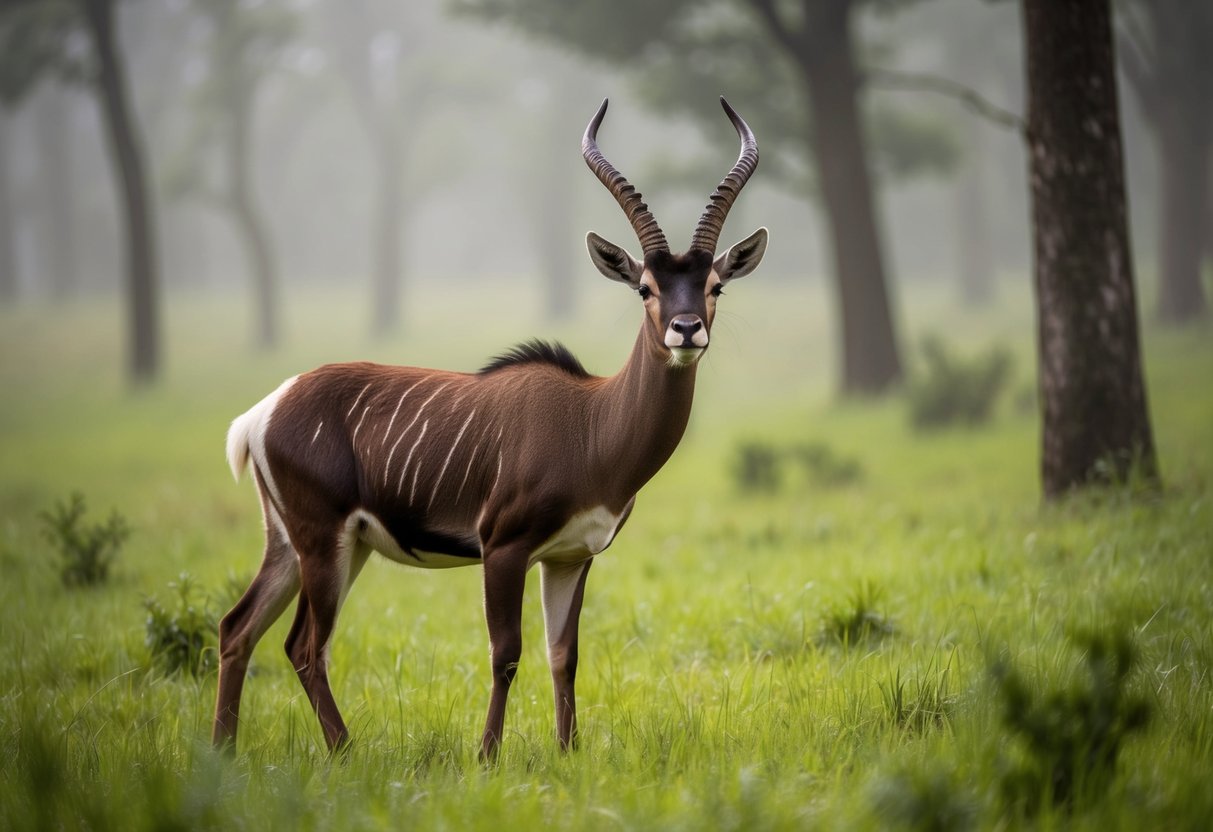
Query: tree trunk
x=1096, y=424
x=1183, y=159
x=124, y=144
x=870, y=359
x=250, y=225
x=9, y=288
x=974, y=250
x=389, y=219
x=58, y=237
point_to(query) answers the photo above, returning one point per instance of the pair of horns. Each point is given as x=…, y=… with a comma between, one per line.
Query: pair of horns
x=707, y=230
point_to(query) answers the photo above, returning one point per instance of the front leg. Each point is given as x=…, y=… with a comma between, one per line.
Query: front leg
x=563, y=586
x=504, y=582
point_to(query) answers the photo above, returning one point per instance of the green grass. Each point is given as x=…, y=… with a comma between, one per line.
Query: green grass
x=715, y=689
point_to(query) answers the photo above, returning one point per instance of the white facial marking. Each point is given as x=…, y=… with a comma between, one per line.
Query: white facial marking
x=317, y=433
x=404, y=468
x=447, y=461
x=684, y=356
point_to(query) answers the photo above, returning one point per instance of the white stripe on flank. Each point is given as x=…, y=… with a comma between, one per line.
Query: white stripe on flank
x=447, y=461
x=354, y=438
x=404, y=469
x=317, y=433
x=471, y=459
x=387, y=466
x=392, y=421
x=354, y=406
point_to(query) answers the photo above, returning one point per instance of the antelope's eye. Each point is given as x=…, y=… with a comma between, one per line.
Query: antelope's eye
x=644, y=292
x=718, y=290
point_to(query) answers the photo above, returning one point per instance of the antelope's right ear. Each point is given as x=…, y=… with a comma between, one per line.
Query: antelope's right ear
x=613, y=261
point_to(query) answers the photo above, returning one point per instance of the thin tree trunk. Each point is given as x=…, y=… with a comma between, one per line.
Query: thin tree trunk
x=250, y=224
x=974, y=250
x=58, y=236
x=1183, y=161
x=870, y=359
x=1096, y=424
x=389, y=219
x=124, y=144
x=9, y=289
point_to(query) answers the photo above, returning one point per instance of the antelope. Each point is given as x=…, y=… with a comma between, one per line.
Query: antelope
x=531, y=460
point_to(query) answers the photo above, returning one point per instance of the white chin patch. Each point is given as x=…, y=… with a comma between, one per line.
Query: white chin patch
x=684, y=356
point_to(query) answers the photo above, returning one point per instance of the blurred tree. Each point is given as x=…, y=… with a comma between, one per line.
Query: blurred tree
x=1165, y=54
x=394, y=73
x=1096, y=424
x=77, y=39
x=54, y=134
x=779, y=61
x=8, y=242
x=245, y=41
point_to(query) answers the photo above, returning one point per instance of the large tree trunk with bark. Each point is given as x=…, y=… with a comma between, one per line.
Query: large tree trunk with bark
x=8, y=238
x=1096, y=424
x=124, y=144
x=870, y=358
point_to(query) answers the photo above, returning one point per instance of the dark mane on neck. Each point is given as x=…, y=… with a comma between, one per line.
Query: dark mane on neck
x=537, y=352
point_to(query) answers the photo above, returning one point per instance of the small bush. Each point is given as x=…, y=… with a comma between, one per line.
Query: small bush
x=921, y=702
x=924, y=800
x=951, y=390
x=86, y=551
x=183, y=636
x=1071, y=737
x=762, y=467
x=858, y=620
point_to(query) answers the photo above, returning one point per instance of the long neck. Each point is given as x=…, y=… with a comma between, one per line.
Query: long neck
x=640, y=415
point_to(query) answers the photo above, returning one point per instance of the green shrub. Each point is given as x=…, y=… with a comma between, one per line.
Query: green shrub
x=951, y=390
x=183, y=636
x=858, y=620
x=86, y=551
x=762, y=467
x=1070, y=737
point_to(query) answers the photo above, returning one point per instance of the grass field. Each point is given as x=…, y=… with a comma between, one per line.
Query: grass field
x=827, y=654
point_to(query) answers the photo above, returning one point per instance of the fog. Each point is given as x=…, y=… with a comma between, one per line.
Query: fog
x=488, y=124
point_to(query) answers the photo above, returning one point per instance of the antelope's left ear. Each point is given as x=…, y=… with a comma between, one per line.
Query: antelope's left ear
x=742, y=258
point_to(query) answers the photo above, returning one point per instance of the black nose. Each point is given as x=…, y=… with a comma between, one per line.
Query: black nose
x=686, y=325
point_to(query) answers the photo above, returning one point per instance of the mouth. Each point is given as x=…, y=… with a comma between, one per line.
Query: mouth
x=685, y=356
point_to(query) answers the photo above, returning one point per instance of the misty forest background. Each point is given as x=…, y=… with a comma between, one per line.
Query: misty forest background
x=934, y=552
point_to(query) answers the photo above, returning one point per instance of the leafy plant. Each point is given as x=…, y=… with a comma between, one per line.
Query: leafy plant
x=86, y=551
x=952, y=390
x=917, y=703
x=1071, y=737
x=762, y=467
x=858, y=620
x=183, y=636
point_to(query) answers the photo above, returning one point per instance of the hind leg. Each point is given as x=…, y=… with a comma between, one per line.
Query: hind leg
x=263, y=602
x=326, y=579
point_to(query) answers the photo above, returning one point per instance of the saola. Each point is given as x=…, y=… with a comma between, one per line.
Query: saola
x=531, y=460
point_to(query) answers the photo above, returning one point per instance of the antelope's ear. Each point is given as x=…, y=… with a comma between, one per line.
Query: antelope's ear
x=613, y=261
x=742, y=258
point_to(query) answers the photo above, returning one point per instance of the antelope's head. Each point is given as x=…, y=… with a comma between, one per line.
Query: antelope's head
x=679, y=291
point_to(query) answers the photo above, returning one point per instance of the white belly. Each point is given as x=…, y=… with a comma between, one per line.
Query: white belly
x=374, y=535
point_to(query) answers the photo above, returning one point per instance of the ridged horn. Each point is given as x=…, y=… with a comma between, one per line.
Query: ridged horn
x=629, y=199
x=707, y=231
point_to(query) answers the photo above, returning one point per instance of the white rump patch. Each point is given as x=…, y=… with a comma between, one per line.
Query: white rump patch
x=246, y=437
